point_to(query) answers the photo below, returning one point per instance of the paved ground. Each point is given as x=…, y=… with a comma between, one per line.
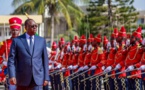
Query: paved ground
x=2, y=87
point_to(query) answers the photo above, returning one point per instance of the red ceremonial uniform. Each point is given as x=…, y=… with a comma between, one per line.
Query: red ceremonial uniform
x=70, y=61
x=87, y=58
x=52, y=58
x=15, y=23
x=120, y=59
x=133, y=58
x=4, y=50
x=105, y=54
x=81, y=58
x=110, y=58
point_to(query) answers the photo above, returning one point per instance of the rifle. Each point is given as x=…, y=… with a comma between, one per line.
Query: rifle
x=99, y=74
x=54, y=72
x=125, y=71
x=80, y=74
x=135, y=75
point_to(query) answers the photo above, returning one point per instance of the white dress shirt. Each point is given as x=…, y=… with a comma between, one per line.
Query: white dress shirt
x=28, y=39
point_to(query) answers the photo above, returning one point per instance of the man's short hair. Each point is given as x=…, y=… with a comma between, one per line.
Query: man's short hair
x=27, y=21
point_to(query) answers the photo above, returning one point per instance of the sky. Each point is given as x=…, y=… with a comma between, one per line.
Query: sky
x=6, y=8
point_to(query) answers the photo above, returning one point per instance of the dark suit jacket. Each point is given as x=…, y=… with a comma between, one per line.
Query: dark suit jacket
x=23, y=65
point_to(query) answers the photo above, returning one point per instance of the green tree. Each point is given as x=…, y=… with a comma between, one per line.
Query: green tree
x=104, y=15
x=67, y=8
x=126, y=13
x=97, y=16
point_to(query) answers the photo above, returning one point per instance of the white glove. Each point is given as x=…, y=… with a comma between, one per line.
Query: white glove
x=103, y=67
x=63, y=69
x=143, y=42
x=85, y=47
x=127, y=42
x=130, y=68
x=142, y=67
x=80, y=69
x=93, y=67
x=108, y=69
x=5, y=63
x=75, y=67
x=0, y=69
x=90, y=47
x=50, y=61
x=50, y=67
x=62, y=54
x=58, y=66
x=118, y=66
x=70, y=67
x=85, y=67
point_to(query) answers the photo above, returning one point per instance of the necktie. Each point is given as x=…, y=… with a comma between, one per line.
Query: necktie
x=31, y=45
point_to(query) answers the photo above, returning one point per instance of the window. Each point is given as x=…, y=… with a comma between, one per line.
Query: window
x=140, y=21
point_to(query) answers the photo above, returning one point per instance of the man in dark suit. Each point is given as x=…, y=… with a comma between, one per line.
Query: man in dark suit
x=28, y=60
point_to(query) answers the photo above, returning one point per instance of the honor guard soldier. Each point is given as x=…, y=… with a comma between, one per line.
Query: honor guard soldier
x=133, y=61
x=70, y=65
x=95, y=59
x=70, y=54
x=52, y=64
x=66, y=72
x=119, y=64
x=87, y=61
x=110, y=61
x=102, y=64
x=75, y=50
x=15, y=26
x=81, y=56
x=59, y=58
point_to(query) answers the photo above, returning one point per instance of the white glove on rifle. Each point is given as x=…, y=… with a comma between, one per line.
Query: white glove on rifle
x=70, y=67
x=108, y=69
x=80, y=69
x=5, y=63
x=58, y=66
x=142, y=67
x=63, y=69
x=93, y=67
x=75, y=67
x=103, y=67
x=0, y=69
x=50, y=67
x=130, y=68
x=85, y=67
x=118, y=66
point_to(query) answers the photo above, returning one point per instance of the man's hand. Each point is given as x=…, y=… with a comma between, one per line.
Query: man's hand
x=45, y=83
x=13, y=81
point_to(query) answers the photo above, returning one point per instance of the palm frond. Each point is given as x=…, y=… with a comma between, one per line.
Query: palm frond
x=15, y=3
x=65, y=13
x=39, y=6
x=25, y=7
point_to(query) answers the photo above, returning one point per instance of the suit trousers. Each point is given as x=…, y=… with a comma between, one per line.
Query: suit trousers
x=32, y=86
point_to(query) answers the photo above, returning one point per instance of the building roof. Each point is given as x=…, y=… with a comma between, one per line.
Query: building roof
x=141, y=14
x=5, y=18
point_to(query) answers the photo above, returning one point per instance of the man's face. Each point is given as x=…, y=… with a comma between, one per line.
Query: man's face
x=132, y=40
x=94, y=43
x=76, y=44
x=119, y=39
x=105, y=46
x=15, y=32
x=112, y=42
x=31, y=27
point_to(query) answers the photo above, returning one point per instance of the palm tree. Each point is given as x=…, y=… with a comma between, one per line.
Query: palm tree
x=65, y=7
